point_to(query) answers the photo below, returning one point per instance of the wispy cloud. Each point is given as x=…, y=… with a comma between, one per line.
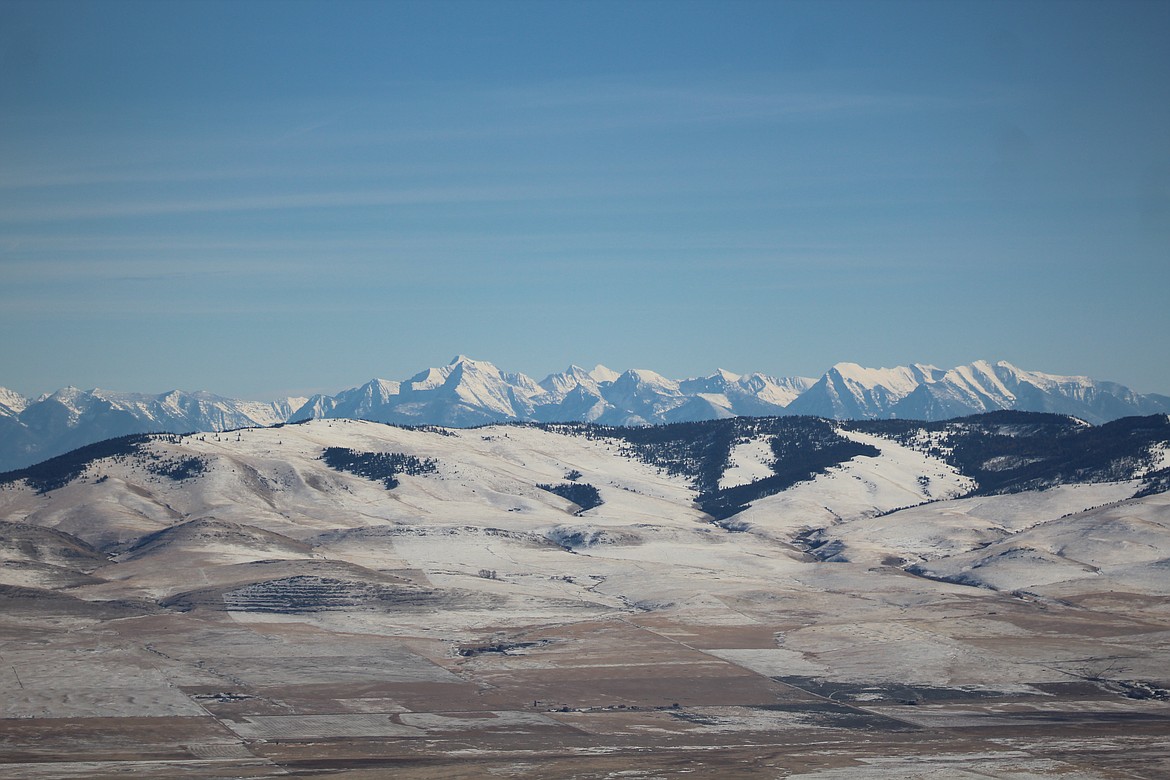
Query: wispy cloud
x=662, y=101
x=163, y=172
x=271, y=202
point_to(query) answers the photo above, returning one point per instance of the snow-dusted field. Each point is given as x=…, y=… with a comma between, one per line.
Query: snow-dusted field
x=272, y=610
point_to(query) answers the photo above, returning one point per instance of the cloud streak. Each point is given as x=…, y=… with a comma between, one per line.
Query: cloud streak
x=273, y=202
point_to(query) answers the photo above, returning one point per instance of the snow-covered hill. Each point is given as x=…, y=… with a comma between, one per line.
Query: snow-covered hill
x=834, y=489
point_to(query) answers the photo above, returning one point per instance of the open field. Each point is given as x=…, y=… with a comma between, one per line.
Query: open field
x=1001, y=692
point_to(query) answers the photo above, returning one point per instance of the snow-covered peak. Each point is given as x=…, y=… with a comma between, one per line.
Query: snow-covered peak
x=373, y=393
x=524, y=385
x=430, y=379
x=466, y=368
x=316, y=406
x=573, y=372
x=726, y=375
x=644, y=395
x=901, y=380
x=984, y=366
x=72, y=398
x=602, y=374
x=480, y=365
x=12, y=402
x=480, y=384
x=718, y=382
x=434, y=378
x=561, y=384
x=384, y=387
x=645, y=377
x=780, y=391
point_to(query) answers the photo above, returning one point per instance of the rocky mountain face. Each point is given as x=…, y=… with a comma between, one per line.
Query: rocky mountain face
x=467, y=393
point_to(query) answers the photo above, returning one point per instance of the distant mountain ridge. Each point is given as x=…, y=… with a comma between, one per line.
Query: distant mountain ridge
x=32, y=430
x=472, y=392
x=920, y=392
x=468, y=392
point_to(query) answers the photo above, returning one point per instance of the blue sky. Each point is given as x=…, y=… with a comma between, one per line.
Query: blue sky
x=269, y=198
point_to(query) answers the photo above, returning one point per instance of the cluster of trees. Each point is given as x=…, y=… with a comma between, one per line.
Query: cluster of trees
x=1010, y=451
x=701, y=451
x=382, y=466
x=58, y=472
x=582, y=494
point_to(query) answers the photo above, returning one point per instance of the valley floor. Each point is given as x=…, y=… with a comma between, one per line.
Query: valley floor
x=1017, y=689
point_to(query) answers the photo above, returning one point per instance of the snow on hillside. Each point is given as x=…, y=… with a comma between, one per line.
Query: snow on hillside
x=1125, y=544
x=938, y=530
x=600, y=373
x=749, y=461
x=274, y=479
x=1159, y=458
x=862, y=487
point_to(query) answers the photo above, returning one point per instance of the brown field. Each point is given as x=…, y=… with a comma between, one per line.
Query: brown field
x=201, y=695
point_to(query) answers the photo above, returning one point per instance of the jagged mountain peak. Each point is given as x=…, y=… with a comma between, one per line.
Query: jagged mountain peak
x=377, y=390
x=472, y=392
x=561, y=383
x=898, y=379
x=69, y=392
x=430, y=378
x=643, y=376
x=473, y=364
x=467, y=366
x=12, y=402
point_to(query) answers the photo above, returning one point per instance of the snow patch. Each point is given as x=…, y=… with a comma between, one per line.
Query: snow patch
x=749, y=461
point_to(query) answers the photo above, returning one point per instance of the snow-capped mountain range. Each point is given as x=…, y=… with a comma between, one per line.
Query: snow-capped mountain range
x=32, y=430
x=469, y=392
x=472, y=392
